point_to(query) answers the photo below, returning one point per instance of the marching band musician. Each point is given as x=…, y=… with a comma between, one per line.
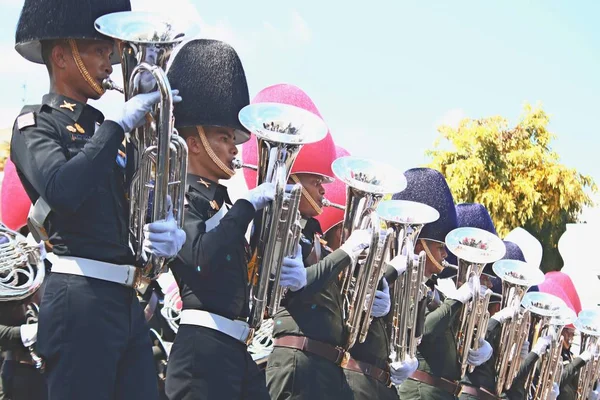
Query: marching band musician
x=209, y=358
x=309, y=329
x=21, y=380
x=439, y=370
x=65, y=152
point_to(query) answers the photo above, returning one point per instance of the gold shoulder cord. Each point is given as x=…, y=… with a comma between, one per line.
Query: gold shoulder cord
x=82, y=69
x=308, y=197
x=212, y=154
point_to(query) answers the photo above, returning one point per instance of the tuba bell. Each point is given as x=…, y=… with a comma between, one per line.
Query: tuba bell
x=406, y=219
x=281, y=131
x=146, y=42
x=366, y=184
x=517, y=277
x=588, y=325
x=474, y=248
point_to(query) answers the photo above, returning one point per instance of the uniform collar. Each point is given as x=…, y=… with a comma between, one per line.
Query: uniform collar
x=71, y=108
x=209, y=189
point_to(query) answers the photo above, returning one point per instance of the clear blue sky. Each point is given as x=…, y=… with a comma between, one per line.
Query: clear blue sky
x=384, y=74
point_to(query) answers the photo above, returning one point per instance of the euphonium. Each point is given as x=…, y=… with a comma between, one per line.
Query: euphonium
x=474, y=248
x=588, y=325
x=281, y=131
x=551, y=360
x=22, y=269
x=406, y=219
x=542, y=308
x=517, y=277
x=145, y=42
x=366, y=184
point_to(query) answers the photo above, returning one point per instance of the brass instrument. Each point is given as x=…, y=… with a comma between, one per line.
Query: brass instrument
x=22, y=269
x=474, y=248
x=281, y=131
x=542, y=308
x=326, y=203
x=588, y=325
x=366, y=184
x=145, y=43
x=551, y=360
x=406, y=219
x=517, y=277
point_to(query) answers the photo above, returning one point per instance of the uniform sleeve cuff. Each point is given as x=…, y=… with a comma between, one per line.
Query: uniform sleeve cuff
x=29, y=334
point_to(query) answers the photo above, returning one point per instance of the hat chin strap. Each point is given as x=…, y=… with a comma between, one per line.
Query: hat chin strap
x=430, y=256
x=230, y=172
x=82, y=69
x=318, y=209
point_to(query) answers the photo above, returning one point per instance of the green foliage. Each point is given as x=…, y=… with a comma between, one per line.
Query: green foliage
x=515, y=174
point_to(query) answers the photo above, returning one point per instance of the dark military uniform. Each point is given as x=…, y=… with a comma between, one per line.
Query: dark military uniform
x=437, y=355
x=569, y=379
x=211, y=271
x=517, y=390
x=369, y=374
x=65, y=151
x=314, y=312
x=483, y=377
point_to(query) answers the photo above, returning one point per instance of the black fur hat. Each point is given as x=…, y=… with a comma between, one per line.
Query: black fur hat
x=211, y=80
x=60, y=19
x=428, y=186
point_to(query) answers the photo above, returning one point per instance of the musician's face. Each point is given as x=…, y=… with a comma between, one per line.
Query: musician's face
x=95, y=55
x=222, y=143
x=568, y=334
x=314, y=186
x=438, y=253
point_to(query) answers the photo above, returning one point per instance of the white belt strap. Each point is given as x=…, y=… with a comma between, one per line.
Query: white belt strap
x=122, y=274
x=238, y=330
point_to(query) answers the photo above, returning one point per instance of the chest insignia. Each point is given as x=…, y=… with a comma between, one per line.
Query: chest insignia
x=71, y=129
x=214, y=205
x=79, y=128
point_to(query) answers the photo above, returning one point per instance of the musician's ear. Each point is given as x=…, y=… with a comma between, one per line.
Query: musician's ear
x=192, y=139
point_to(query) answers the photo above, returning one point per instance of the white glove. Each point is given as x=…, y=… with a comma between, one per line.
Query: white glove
x=399, y=263
x=541, y=345
x=481, y=355
x=402, y=370
x=29, y=334
x=382, y=303
x=359, y=240
x=135, y=109
x=162, y=238
x=464, y=293
x=525, y=349
x=554, y=392
x=504, y=314
x=260, y=195
x=31, y=242
x=293, y=273
x=586, y=356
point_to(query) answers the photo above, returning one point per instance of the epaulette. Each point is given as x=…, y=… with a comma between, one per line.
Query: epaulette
x=26, y=120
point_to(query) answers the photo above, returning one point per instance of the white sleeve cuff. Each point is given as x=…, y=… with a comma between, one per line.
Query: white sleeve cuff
x=29, y=334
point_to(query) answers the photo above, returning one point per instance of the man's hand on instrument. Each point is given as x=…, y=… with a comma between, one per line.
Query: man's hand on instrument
x=134, y=111
x=399, y=263
x=504, y=314
x=465, y=292
x=382, y=303
x=29, y=334
x=554, y=392
x=541, y=345
x=293, y=273
x=162, y=238
x=481, y=355
x=525, y=349
x=586, y=355
x=402, y=370
x=261, y=195
x=359, y=240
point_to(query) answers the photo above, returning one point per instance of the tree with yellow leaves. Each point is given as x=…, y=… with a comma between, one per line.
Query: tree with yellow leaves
x=515, y=174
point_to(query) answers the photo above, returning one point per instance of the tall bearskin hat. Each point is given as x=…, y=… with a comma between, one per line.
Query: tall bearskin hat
x=15, y=202
x=211, y=81
x=428, y=186
x=335, y=193
x=314, y=158
x=60, y=19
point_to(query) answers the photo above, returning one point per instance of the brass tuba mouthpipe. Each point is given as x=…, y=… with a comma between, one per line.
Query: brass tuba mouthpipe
x=109, y=84
x=326, y=203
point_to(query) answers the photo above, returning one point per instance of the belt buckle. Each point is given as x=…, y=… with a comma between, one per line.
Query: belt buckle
x=343, y=358
x=458, y=390
x=249, y=337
